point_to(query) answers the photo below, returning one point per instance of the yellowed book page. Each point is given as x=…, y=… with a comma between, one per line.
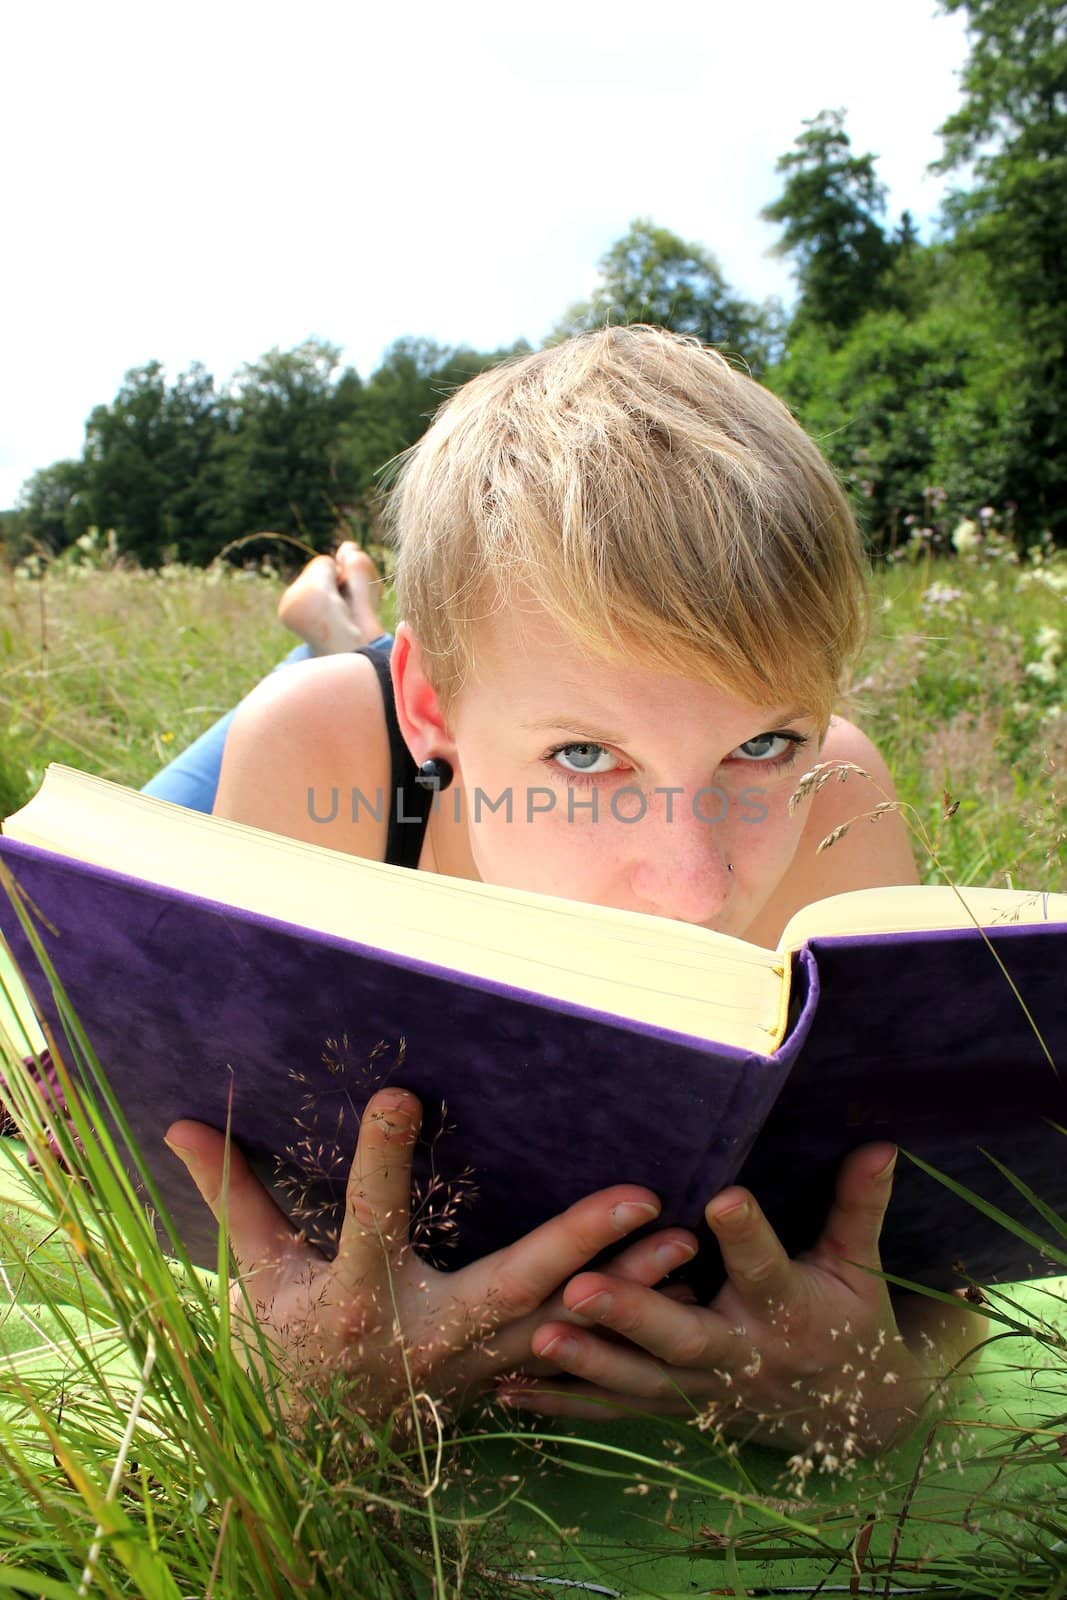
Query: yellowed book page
x=912, y=909
x=646, y=969
x=20, y=1032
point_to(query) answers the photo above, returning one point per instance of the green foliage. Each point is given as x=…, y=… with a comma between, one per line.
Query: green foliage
x=178, y=471
x=965, y=694
x=829, y=209
x=940, y=370
x=904, y=407
x=52, y=510
x=1013, y=126
x=651, y=275
x=922, y=368
x=144, y=459
x=278, y=463
x=415, y=378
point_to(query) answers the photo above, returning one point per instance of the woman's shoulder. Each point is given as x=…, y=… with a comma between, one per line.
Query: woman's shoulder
x=870, y=846
x=303, y=742
x=847, y=842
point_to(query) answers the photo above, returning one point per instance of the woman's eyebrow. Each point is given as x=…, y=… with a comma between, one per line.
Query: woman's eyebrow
x=774, y=719
x=569, y=720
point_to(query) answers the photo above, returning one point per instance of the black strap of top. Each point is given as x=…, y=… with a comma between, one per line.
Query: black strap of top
x=408, y=805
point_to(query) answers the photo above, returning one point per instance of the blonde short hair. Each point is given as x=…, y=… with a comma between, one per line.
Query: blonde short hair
x=658, y=502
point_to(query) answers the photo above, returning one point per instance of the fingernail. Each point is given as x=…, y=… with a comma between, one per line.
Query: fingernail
x=559, y=1346
x=392, y=1100
x=631, y=1213
x=182, y=1151
x=887, y=1171
x=519, y=1399
x=594, y=1305
x=673, y=1254
x=733, y=1215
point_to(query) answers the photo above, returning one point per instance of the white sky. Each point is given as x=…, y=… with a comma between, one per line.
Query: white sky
x=203, y=181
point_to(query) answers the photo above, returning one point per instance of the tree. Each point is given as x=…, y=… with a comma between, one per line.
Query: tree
x=829, y=210
x=279, y=463
x=1012, y=125
x=415, y=377
x=651, y=275
x=906, y=406
x=144, y=457
x=51, y=511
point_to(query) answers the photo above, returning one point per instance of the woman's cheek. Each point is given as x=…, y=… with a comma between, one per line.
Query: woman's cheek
x=765, y=832
x=550, y=847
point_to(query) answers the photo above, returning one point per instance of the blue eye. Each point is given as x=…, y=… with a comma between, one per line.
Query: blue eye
x=769, y=747
x=584, y=758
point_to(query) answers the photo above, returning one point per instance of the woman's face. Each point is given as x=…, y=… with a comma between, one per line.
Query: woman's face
x=618, y=785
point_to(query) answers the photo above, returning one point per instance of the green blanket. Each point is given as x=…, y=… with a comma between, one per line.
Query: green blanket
x=656, y=1507
x=660, y=1508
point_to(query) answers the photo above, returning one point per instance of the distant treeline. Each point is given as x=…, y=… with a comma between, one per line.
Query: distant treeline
x=933, y=375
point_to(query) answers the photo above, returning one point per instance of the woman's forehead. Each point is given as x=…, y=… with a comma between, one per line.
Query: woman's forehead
x=528, y=664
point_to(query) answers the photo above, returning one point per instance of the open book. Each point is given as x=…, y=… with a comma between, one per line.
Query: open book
x=557, y=1047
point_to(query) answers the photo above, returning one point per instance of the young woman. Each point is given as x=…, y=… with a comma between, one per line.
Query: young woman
x=632, y=589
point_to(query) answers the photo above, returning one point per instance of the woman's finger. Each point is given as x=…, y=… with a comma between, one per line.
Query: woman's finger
x=646, y=1262
x=650, y=1260
x=374, y=1233
x=758, y=1268
x=259, y=1233
x=674, y=1332
x=849, y=1241
x=514, y=1282
x=585, y=1402
x=623, y=1368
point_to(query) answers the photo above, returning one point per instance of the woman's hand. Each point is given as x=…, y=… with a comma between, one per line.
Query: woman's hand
x=802, y=1354
x=377, y=1312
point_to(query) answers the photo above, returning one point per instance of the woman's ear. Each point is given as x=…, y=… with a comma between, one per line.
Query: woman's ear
x=418, y=709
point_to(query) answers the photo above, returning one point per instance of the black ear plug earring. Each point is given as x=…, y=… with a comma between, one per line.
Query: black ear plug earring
x=435, y=774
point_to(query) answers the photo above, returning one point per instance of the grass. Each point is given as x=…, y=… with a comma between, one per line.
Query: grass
x=965, y=692
x=138, y=1457
x=115, y=671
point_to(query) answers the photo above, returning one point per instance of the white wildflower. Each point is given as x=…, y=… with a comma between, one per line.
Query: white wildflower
x=1050, y=642
x=966, y=538
x=941, y=594
x=1044, y=671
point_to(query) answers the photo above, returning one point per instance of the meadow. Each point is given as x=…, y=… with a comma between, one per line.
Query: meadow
x=964, y=686
x=138, y=1458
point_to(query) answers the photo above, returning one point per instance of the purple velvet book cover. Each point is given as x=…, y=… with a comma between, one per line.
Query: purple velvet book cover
x=531, y=1104
x=528, y=1105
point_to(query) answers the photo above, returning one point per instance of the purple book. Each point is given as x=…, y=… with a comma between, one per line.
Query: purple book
x=531, y=1103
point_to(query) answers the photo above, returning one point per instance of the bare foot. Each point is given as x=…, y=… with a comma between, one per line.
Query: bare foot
x=328, y=605
x=356, y=573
